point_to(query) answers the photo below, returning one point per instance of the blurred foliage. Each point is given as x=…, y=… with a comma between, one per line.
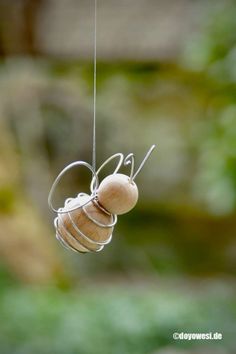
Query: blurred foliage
x=212, y=52
x=7, y=199
x=114, y=319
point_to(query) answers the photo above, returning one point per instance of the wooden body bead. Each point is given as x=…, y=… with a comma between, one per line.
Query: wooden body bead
x=117, y=194
x=70, y=223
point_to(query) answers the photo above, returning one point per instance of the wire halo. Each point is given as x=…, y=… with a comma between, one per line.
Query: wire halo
x=59, y=177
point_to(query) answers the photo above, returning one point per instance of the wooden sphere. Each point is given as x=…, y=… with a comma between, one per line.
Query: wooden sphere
x=117, y=194
x=85, y=225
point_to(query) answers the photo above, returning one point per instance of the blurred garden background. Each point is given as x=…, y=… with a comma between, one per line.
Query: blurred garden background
x=166, y=76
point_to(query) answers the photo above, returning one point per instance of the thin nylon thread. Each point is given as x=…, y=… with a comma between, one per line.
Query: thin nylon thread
x=94, y=87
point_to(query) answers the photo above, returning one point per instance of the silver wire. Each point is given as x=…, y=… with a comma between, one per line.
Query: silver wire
x=114, y=218
x=94, y=182
x=59, y=177
x=121, y=159
x=130, y=160
x=144, y=161
x=58, y=222
x=72, y=237
x=94, y=86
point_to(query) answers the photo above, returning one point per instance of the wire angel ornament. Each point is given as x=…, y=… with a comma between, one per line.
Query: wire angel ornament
x=85, y=223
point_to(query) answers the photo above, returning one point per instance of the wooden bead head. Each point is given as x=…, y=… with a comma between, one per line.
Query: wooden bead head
x=118, y=194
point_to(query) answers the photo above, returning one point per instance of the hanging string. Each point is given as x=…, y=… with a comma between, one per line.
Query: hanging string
x=94, y=86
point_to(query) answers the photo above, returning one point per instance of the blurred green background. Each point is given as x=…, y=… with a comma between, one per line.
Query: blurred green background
x=166, y=76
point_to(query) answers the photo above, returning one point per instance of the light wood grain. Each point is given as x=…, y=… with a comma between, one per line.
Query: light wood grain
x=86, y=226
x=117, y=194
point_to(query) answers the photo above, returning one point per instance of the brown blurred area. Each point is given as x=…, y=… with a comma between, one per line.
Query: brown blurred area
x=133, y=30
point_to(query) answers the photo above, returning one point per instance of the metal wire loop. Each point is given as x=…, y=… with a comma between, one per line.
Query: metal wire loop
x=114, y=220
x=130, y=160
x=146, y=157
x=119, y=164
x=74, y=239
x=59, y=177
x=81, y=234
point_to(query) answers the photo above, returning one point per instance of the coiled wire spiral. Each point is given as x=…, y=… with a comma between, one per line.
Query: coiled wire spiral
x=87, y=238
